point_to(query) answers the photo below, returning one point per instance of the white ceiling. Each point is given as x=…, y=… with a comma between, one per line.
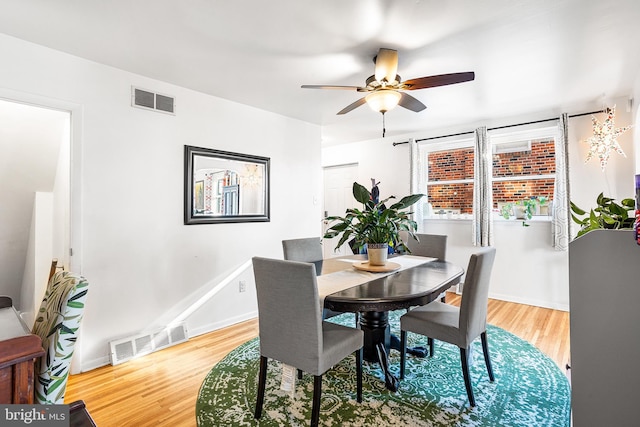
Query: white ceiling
x=531, y=57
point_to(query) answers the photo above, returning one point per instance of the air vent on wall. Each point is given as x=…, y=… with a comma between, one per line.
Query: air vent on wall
x=512, y=147
x=139, y=345
x=148, y=100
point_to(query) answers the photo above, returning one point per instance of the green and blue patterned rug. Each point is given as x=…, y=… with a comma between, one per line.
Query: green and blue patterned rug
x=530, y=390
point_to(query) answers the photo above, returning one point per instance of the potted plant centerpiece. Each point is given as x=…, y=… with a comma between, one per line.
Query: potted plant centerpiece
x=375, y=226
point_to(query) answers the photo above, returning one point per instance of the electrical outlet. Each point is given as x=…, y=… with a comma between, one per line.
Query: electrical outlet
x=242, y=286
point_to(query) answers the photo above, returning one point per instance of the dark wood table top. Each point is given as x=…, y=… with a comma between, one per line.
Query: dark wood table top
x=418, y=285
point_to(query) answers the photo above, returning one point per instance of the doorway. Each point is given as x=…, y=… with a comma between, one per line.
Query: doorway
x=338, y=196
x=35, y=157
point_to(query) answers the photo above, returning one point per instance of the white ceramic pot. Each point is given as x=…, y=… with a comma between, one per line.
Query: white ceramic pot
x=377, y=253
x=519, y=211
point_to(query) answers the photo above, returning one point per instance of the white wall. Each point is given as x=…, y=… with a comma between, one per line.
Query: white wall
x=377, y=159
x=142, y=263
x=527, y=269
x=62, y=199
x=38, y=258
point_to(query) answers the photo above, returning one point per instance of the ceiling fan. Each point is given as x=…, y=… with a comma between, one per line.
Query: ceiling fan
x=386, y=88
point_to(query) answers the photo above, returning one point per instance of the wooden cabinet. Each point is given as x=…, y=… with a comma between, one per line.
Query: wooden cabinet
x=18, y=351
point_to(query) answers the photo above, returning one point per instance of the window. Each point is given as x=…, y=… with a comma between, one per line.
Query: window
x=449, y=177
x=523, y=168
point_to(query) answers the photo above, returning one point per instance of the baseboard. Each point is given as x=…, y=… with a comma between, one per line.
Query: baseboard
x=95, y=364
x=210, y=327
x=527, y=301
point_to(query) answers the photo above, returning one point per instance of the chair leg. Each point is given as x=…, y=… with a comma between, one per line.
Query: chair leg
x=487, y=359
x=403, y=352
x=262, y=380
x=464, y=359
x=430, y=344
x=317, y=392
x=357, y=320
x=359, y=375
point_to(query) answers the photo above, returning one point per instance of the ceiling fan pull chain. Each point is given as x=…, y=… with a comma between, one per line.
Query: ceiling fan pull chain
x=383, y=126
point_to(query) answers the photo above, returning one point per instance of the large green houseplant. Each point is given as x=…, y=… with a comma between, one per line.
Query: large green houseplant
x=607, y=214
x=375, y=223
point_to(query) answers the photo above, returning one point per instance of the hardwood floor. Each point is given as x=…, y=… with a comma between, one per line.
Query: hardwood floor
x=161, y=389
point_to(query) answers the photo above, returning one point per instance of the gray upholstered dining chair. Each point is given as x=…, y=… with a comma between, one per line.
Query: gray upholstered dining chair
x=292, y=331
x=459, y=326
x=429, y=245
x=308, y=249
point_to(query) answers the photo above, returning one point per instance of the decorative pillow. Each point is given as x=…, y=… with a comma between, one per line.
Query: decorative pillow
x=57, y=323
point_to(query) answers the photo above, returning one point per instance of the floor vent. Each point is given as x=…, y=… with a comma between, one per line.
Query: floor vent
x=138, y=345
x=148, y=100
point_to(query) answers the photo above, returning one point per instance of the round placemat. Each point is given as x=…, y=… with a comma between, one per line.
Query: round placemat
x=389, y=266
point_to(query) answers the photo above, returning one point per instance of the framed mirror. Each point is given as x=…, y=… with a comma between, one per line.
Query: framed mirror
x=220, y=187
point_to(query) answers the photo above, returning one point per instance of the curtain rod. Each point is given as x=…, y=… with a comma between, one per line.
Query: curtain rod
x=501, y=127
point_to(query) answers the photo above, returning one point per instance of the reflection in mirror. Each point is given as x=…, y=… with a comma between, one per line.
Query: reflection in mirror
x=225, y=187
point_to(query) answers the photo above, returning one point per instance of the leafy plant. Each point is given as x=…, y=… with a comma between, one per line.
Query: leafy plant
x=375, y=222
x=528, y=206
x=608, y=214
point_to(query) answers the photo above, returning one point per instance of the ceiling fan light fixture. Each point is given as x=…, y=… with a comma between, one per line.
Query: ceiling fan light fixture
x=384, y=100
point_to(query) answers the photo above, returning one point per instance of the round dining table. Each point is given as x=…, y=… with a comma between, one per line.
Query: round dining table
x=415, y=286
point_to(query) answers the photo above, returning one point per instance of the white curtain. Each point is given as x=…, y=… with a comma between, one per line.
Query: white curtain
x=414, y=183
x=482, y=225
x=560, y=207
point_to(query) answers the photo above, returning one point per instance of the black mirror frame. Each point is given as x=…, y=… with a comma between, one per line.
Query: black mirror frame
x=189, y=154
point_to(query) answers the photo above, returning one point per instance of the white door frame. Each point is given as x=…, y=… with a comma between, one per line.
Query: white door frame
x=75, y=182
x=75, y=190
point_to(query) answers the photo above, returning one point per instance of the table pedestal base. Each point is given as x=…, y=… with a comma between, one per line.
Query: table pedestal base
x=378, y=341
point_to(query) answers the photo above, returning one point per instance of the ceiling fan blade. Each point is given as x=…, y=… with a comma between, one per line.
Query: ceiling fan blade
x=330, y=87
x=352, y=106
x=439, y=80
x=410, y=103
x=386, y=65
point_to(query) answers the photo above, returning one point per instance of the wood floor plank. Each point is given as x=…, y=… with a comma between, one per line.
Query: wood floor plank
x=160, y=389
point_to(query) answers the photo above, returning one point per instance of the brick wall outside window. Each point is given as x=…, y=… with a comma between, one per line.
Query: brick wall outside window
x=452, y=196
x=450, y=165
x=512, y=191
x=457, y=164
x=541, y=160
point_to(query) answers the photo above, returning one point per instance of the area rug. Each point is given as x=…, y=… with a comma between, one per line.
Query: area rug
x=529, y=389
